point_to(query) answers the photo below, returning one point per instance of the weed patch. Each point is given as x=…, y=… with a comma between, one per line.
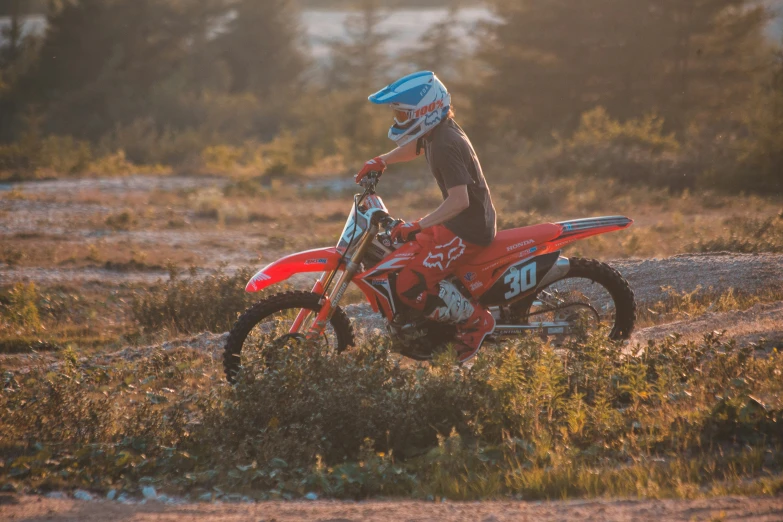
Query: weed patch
x=190, y=305
x=36, y=319
x=124, y=220
x=680, y=420
x=746, y=235
x=683, y=305
x=20, y=310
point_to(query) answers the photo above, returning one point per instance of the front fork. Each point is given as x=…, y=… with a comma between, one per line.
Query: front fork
x=330, y=303
x=318, y=288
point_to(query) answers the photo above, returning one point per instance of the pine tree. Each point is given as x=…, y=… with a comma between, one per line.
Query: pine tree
x=262, y=47
x=360, y=61
x=13, y=33
x=761, y=161
x=440, y=49
x=101, y=60
x=551, y=60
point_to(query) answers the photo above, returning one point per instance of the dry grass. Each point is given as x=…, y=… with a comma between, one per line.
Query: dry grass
x=678, y=420
x=249, y=222
x=688, y=305
x=262, y=221
x=682, y=420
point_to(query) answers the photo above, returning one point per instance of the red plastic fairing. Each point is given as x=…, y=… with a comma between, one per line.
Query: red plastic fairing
x=318, y=260
x=577, y=229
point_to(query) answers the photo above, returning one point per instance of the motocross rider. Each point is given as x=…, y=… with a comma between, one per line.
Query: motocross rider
x=460, y=227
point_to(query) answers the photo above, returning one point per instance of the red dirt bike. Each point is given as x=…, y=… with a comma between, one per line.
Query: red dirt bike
x=521, y=277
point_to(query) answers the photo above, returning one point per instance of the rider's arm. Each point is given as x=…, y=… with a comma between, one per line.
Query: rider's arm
x=401, y=154
x=456, y=202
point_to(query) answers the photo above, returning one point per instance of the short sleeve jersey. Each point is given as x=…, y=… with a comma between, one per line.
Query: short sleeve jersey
x=453, y=162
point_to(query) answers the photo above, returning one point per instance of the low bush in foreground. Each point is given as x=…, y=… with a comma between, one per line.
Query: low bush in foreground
x=675, y=420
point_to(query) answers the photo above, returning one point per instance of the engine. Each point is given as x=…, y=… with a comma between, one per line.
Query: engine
x=381, y=247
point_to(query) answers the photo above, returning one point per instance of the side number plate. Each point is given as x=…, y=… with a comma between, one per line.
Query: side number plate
x=520, y=280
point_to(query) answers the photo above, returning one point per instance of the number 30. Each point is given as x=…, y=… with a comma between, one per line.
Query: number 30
x=520, y=280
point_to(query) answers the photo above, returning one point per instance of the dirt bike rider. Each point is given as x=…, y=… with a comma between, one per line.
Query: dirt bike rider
x=460, y=227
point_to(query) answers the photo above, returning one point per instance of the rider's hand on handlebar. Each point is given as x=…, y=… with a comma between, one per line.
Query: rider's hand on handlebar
x=374, y=165
x=403, y=231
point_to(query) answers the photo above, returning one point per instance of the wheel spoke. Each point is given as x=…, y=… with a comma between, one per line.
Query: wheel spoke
x=266, y=327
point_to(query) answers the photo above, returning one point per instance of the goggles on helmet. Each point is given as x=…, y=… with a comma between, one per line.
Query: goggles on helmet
x=403, y=117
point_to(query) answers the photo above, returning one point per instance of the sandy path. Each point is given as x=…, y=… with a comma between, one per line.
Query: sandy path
x=684, y=273
x=762, y=321
x=30, y=508
x=721, y=271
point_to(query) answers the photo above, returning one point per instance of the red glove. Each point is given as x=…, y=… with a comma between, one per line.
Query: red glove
x=403, y=231
x=374, y=165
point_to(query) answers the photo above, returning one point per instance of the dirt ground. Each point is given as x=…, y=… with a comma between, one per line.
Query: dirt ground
x=763, y=321
x=30, y=508
x=59, y=232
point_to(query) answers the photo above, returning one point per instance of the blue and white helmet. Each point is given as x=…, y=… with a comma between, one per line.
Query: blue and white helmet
x=420, y=101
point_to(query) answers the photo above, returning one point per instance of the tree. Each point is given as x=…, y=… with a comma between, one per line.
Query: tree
x=548, y=61
x=761, y=160
x=360, y=61
x=101, y=59
x=17, y=57
x=440, y=48
x=13, y=33
x=262, y=47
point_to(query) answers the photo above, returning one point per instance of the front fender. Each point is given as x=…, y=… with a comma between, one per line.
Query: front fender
x=317, y=260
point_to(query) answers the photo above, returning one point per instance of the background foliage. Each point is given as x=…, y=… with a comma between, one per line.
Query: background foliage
x=555, y=87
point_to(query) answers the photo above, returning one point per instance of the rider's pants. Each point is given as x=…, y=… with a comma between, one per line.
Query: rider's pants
x=439, y=253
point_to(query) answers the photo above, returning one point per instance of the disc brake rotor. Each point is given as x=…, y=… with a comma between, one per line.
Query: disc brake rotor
x=284, y=339
x=573, y=311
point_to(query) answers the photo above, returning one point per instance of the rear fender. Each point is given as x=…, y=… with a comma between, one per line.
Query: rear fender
x=317, y=260
x=577, y=229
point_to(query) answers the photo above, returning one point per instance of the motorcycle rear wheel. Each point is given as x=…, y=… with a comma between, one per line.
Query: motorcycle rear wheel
x=277, y=308
x=616, y=306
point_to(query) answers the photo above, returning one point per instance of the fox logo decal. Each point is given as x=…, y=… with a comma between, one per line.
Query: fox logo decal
x=442, y=256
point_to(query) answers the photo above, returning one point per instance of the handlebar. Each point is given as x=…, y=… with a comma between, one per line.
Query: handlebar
x=369, y=182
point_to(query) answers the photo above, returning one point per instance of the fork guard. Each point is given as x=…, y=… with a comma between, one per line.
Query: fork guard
x=317, y=260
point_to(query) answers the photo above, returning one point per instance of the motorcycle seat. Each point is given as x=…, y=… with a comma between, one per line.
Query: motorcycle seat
x=516, y=240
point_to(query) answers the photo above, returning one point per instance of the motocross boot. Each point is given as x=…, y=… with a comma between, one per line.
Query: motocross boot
x=471, y=333
x=474, y=323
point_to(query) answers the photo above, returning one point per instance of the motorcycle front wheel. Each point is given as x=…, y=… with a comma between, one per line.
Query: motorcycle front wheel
x=268, y=322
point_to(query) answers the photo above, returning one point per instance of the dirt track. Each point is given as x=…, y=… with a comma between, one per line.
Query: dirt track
x=648, y=277
x=726, y=508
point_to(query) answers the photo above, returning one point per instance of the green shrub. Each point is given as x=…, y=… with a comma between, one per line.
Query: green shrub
x=637, y=151
x=124, y=220
x=194, y=304
x=746, y=235
x=760, y=161
x=63, y=155
x=244, y=187
x=305, y=416
x=589, y=419
x=57, y=155
x=212, y=204
x=97, y=439
x=13, y=158
x=21, y=310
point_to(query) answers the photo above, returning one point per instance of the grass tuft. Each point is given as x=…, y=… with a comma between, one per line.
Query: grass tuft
x=679, y=420
x=191, y=305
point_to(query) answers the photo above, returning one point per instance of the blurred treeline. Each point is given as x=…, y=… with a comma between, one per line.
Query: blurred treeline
x=663, y=92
